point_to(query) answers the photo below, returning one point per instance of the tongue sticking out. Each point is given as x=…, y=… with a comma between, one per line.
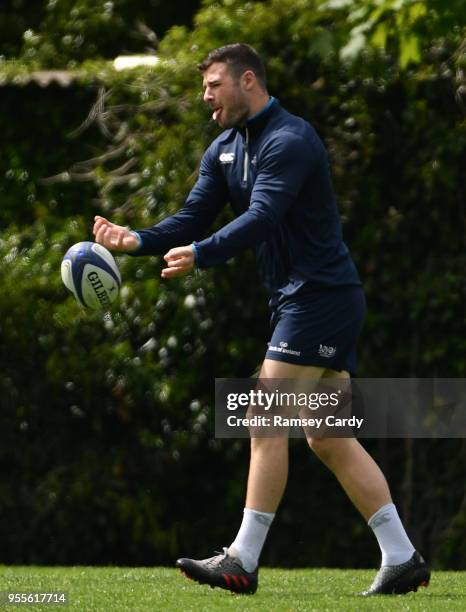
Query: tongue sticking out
x=216, y=113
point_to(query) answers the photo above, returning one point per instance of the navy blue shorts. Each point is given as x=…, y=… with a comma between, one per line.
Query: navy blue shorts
x=318, y=327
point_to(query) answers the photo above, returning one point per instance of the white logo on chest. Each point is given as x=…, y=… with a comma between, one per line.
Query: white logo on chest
x=227, y=158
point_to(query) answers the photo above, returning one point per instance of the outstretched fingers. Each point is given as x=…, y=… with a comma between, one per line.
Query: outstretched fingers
x=180, y=260
x=108, y=234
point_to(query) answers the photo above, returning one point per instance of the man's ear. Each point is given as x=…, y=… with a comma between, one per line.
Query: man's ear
x=248, y=80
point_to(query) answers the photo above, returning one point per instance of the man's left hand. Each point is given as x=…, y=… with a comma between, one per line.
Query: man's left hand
x=180, y=260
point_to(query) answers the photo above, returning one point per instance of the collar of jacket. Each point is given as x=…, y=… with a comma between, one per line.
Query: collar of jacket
x=256, y=124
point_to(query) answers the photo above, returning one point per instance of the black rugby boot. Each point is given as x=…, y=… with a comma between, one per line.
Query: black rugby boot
x=222, y=571
x=403, y=578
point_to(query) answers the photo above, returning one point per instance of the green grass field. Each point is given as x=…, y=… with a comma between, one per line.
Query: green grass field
x=103, y=588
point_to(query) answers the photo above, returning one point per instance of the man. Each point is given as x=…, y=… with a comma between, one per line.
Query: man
x=272, y=168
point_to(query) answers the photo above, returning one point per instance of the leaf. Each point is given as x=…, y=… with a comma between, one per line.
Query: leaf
x=377, y=13
x=417, y=10
x=322, y=44
x=336, y=4
x=409, y=49
x=354, y=46
x=379, y=37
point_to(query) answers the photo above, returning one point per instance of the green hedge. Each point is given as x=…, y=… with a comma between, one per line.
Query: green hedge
x=108, y=423
x=63, y=33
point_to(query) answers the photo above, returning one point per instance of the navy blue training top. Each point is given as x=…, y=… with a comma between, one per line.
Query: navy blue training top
x=274, y=171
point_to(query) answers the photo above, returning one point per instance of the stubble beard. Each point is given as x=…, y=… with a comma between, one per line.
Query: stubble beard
x=237, y=116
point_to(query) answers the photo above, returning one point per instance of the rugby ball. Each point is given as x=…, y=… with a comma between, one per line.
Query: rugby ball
x=90, y=272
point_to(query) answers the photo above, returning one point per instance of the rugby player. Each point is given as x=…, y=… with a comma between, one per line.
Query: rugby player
x=272, y=167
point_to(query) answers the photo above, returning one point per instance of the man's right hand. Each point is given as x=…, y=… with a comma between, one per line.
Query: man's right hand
x=114, y=237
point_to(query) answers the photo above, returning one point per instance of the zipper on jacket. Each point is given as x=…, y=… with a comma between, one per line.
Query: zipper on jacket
x=246, y=157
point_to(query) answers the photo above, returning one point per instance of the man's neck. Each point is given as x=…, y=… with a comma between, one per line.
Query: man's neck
x=258, y=105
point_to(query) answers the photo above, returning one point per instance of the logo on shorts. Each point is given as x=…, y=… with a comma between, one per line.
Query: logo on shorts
x=283, y=348
x=327, y=351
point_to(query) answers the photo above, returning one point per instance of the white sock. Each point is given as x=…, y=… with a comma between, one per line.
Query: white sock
x=251, y=537
x=394, y=543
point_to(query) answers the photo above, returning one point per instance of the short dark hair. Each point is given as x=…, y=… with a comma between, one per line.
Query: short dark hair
x=239, y=57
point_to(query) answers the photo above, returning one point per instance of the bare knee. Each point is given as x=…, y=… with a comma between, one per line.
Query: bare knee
x=327, y=449
x=269, y=445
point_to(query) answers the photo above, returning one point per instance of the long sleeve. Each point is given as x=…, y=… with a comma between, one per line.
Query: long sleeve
x=190, y=223
x=284, y=167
